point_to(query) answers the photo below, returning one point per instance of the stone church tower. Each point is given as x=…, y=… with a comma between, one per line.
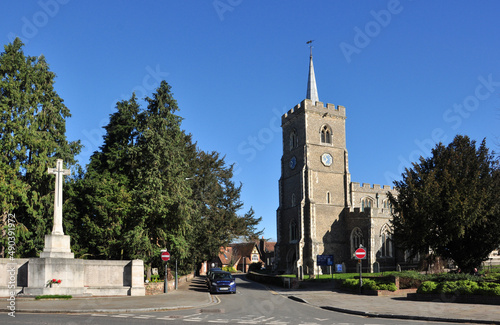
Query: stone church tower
x=320, y=211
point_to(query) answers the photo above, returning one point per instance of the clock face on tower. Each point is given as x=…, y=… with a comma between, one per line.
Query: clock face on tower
x=327, y=159
x=293, y=162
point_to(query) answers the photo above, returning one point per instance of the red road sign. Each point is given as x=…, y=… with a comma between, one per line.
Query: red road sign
x=360, y=253
x=165, y=256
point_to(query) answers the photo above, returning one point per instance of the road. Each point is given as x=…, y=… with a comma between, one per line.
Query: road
x=252, y=304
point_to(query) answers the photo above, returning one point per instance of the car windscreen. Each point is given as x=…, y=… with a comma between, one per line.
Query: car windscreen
x=222, y=276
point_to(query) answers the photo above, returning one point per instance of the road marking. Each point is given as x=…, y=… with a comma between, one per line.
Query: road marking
x=143, y=316
x=219, y=321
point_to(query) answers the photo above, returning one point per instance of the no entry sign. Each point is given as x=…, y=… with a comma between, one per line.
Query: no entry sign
x=360, y=253
x=165, y=256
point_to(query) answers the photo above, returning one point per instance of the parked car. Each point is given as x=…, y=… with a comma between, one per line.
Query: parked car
x=222, y=282
x=212, y=270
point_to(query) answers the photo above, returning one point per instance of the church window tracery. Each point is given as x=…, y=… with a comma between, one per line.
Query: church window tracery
x=386, y=241
x=326, y=134
x=366, y=203
x=387, y=205
x=356, y=239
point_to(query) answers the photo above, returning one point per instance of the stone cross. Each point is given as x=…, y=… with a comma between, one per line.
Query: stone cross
x=57, y=229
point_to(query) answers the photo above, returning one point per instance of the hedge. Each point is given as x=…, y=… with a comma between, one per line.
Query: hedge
x=368, y=284
x=464, y=287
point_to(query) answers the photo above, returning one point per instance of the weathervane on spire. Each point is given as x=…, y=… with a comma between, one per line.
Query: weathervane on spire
x=310, y=46
x=312, y=91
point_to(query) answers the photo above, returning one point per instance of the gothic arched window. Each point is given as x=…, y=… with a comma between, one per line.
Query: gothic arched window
x=366, y=203
x=326, y=134
x=328, y=197
x=386, y=242
x=293, y=231
x=356, y=239
x=293, y=140
x=293, y=200
x=387, y=205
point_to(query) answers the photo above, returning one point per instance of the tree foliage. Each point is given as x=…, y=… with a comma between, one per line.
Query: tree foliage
x=32, y=138
x=149, y=188
x=450, y=203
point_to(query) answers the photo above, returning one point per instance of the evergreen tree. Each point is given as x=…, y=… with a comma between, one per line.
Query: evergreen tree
x=32, y=138
x=99, y=207
x=163, y=209
x=450, y=203
x=148, y=188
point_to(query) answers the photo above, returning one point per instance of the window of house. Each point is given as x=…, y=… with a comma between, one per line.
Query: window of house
x=326, y=135
x=366, y=203
x=386, y=242
x=356, y=239
x=255, y=258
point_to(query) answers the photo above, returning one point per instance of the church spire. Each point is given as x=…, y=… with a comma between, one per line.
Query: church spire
x=312, y=91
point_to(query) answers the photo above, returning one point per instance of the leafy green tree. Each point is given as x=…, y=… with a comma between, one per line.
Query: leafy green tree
x=218, y=201
x=450, y=203
x=32, y=138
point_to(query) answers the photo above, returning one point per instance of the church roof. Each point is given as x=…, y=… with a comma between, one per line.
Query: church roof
x=312, y=91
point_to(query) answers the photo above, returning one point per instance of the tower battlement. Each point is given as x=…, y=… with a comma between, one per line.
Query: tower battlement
x=319, y=107
x=357, y=187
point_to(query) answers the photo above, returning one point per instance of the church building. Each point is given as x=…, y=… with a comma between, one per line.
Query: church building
x=321, y=212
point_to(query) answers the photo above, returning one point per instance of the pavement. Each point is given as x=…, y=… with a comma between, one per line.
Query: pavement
x=194, y=295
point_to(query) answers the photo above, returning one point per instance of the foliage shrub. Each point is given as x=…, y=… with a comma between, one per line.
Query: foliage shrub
x=155, y=278
x=255, y=267
x=368, y=284
x=462, y=287
x=488, y=289
x=229, y=269
x=428, y=287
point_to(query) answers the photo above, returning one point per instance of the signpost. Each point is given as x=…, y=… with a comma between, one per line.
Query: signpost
x=325, y=260
x=165, y=256
x=360, y=254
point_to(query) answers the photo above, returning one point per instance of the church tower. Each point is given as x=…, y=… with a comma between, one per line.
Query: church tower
x=314, y=183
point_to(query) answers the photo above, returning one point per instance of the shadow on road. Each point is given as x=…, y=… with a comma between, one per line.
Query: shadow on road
x=198, y=284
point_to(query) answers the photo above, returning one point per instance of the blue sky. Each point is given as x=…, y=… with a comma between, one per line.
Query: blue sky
x=410, y=74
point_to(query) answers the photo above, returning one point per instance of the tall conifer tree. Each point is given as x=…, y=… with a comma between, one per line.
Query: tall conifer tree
x=32, y=137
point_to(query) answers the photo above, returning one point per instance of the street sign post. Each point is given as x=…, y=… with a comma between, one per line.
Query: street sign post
x=360, y=254
x=165, y=256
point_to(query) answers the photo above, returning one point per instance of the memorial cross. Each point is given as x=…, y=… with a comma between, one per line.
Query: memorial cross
x=57, y=229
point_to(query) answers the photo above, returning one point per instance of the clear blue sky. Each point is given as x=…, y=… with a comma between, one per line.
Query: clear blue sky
x=410, y=73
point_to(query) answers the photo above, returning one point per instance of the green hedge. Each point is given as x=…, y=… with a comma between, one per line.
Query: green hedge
x=368, y=284
x=464, y=287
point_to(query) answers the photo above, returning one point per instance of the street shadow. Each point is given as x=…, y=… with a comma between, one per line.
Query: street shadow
x=198, y=284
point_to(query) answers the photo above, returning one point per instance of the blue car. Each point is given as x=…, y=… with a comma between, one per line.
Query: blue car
x=222, y=282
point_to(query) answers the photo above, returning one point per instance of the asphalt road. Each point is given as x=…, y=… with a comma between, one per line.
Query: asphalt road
x=252, y=304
